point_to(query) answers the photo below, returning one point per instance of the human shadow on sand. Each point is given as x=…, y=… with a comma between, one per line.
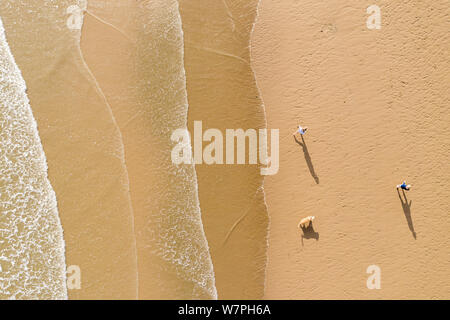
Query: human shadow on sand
x=407, y=211
x=309, y=233
x=307, y=158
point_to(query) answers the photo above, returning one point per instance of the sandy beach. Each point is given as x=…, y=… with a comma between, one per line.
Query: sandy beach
x=83, y=148
x=110, y=82
x=146, y=92
x=376, y=104
x=222, y=94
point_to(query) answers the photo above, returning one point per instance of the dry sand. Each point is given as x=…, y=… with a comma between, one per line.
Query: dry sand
x=376, y=104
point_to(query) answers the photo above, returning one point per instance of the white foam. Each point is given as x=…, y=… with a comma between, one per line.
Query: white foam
x=31, y=236
x=174, y=231
x=265, y=125
x=210, y=274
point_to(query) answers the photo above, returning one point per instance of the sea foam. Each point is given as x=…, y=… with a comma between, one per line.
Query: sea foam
x=175, y=242
x=32, y=263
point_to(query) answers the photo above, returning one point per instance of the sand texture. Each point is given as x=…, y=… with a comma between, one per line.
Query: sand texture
x=376, y=104
x=88, y=177
x=222, y=94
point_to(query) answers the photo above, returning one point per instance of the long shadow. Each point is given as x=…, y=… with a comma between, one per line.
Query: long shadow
x=407, y=211
x=309, y=233
x=308, y=159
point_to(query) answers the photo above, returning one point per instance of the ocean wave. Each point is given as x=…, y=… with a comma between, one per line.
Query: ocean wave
x=32, y=263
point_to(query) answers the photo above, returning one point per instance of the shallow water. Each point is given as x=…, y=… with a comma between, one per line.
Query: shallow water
x=132, y=219
x=180, y=245
x=147, y=93
x=32, y=262
x=82, y=143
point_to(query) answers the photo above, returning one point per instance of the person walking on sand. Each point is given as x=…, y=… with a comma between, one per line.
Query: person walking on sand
x=404, y=186
x=300, y=130
x=306, y=222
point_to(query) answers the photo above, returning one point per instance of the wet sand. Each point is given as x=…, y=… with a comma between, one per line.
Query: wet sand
x=376, y=104
x=222, y=94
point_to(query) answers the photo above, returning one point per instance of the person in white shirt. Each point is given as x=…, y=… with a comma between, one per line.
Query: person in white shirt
x=300, y=130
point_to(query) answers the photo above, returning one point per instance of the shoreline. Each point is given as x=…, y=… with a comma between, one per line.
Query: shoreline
x=116, y=87
x=222, y=93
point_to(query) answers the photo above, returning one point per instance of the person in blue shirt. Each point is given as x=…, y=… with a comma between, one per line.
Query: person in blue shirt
x=404, y=186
